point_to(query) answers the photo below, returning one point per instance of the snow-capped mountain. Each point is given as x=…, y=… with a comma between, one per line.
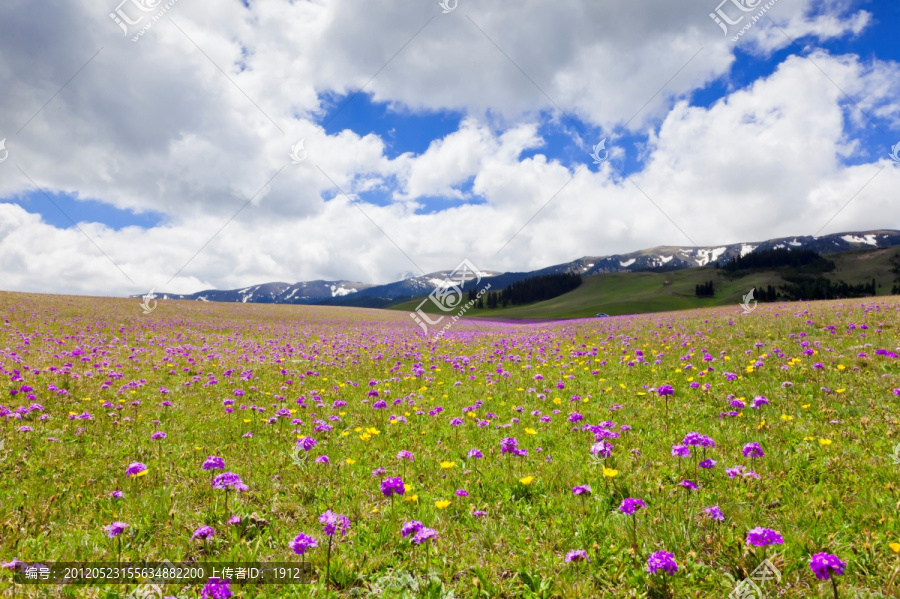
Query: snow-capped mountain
x=413, y=287
x=275, y=293
x=662, y=258
x=665, y=258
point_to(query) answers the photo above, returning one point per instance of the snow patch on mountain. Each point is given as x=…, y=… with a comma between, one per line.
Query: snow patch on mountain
x=706, y=256
x=627, y=263
x=868, y=239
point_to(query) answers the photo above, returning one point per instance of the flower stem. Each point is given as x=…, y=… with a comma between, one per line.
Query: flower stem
x=328, y=561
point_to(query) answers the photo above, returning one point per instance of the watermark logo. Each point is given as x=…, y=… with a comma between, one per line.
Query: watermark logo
x=895, y=457
x=746, y=303
x=4, y=153
x=132, y=17
x=448, y=297
x=895, y=152
x=123, y=20
x=145, y=305
x=448, y=5
x=150, y=590
x=737, y=12
x=298, y=456
x=147, y=591
x=298, y=154
x=755, y=584
x=600, y=147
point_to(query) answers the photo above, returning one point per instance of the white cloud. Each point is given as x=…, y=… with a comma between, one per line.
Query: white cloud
x=155, y=126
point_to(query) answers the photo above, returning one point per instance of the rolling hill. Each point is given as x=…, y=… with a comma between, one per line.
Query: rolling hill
x=638, y=292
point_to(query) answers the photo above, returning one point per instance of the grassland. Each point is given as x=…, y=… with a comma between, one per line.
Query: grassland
x=87, y=382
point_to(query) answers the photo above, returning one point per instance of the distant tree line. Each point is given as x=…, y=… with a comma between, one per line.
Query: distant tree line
x=767, y=295
x=818, y=288
x=810, y=260
x=528, y=291
x=895, y=268
x=705, y=289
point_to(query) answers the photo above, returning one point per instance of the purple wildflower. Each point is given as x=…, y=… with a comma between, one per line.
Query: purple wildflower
x=332, y=521
x=577, y=555
x=423, y=535
x=715, y=513
x=760, y=401
x=411, y=527
x=214, y=463
x=761, y=537
x=602, y=449
x=753, y=450
x=203, y=532
x=302, y=542
x=508, y=445
x=229, y=479
x=826, y=565
x=135, y=469
x=681, y=451
x=115, y=529
x=392, y=486
x=216, y=588
x=662, y=560
x=630, y=506
x=306, y=443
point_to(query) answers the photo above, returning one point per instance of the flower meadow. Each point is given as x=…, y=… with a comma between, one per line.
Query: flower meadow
x=660, y=455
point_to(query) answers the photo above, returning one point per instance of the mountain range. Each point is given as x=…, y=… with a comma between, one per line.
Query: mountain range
x=657, y=259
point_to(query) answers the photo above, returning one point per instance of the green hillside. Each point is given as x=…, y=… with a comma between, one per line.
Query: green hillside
x=640, y=292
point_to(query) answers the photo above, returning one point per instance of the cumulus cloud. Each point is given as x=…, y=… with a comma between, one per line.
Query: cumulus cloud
x=195, y=121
